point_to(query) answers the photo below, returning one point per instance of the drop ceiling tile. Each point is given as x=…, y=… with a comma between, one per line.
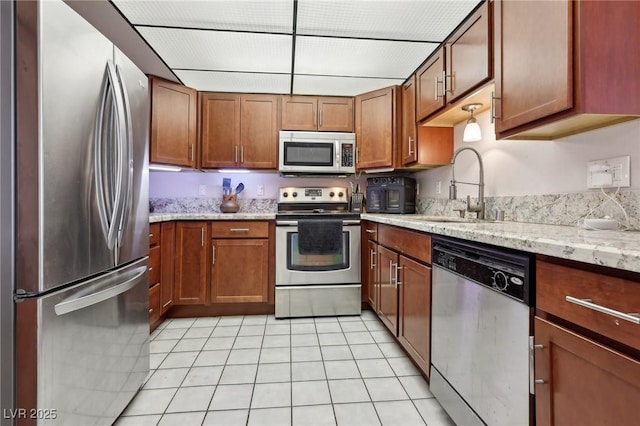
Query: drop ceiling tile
x=245, y=15
x=209, y=81
x=220, y=51
x=359, y=58
x=425, y=20
x=338, y=86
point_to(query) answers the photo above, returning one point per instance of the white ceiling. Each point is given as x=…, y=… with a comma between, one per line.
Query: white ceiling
x=312, y=47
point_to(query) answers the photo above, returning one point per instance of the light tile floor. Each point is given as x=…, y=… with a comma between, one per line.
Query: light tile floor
x=256, y=370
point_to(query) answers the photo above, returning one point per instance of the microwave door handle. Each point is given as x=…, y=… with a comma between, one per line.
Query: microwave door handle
x=338, y=166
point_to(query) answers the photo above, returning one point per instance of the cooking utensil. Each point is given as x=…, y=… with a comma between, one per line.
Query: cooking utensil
x=239, y=188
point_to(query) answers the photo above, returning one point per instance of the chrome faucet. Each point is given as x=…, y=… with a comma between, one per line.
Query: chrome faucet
x=478, y=208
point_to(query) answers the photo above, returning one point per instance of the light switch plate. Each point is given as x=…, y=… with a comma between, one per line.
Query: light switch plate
x=260, y=190
x=609, y=173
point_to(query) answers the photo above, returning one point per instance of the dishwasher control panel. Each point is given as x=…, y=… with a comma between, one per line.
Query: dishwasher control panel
x=502, y=270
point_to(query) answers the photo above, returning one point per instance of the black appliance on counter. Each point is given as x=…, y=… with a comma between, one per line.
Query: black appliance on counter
x=391, y=194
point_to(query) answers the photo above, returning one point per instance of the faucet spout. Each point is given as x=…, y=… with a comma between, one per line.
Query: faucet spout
x=480, y=207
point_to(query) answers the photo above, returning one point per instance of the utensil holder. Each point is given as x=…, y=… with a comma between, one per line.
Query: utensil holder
x=229, y=203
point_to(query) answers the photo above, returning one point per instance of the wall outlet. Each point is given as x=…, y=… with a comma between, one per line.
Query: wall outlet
x=609, y=173
x=260, y=191
x=202, y=189
x=439, y=187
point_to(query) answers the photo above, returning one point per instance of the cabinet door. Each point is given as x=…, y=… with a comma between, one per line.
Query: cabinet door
x=408, y=141
x=173, y=124
x=372, y=275
x=335, y=114
x=388, y=290
x=414, y=329
x=469, y=55
x=585, y=383
x=375, y=127
x=191, y=263
x=259, y=132
x=240, y=271
x=154, y=304
x=532, y=35
x=299, y=113
x=219, y=130
x=430, y=86
x=168, y=249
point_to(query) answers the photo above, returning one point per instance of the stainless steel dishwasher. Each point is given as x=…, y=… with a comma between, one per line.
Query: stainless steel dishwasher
x=481, y=321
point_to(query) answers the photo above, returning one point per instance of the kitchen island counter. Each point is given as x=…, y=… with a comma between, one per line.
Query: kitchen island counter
x=614, y=249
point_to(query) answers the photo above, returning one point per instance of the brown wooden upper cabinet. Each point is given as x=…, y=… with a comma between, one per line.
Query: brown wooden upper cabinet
x=173, y=124
x=563, y=67
x=377, y=126
x=239, y=130
x=421, y=146
x=462, y=65
x=430, y=86
x=328, y=114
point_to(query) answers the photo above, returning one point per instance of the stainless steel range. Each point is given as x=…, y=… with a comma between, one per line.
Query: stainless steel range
x=317, y=253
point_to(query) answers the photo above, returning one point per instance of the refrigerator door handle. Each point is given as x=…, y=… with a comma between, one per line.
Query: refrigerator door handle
x=75, y=304
x=126, y=156
x=119, y=151
x=99, y=171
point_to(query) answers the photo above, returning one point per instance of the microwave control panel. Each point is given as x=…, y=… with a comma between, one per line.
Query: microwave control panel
x=347, y=155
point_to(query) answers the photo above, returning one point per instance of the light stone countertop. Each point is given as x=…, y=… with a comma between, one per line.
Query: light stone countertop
x=615, y=249
x=165, y=217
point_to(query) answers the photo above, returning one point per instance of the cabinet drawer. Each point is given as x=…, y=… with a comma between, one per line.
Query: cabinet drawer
x=411, y=243
x=154, y=234
x=239, y=229
x=555, y=283
x=370, y=229
x=154, y=303
x=154, y=265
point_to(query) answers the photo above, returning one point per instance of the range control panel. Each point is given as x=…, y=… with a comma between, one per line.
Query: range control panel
x=293, y=194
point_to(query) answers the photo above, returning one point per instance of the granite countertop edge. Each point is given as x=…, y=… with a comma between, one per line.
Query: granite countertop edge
x=614, y=249
x=166, y=217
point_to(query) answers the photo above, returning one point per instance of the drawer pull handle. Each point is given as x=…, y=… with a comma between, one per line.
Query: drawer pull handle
x=150, y=311
x=150, y=268
x=239, y=229
x=588, y=303
x=150, y=235
x=539, y=382
x=370, y=231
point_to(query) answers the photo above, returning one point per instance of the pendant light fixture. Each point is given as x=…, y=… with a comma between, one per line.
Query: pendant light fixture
x=472, y=131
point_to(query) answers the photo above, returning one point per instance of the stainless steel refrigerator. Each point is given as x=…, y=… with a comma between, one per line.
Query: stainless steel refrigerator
x=81, y=221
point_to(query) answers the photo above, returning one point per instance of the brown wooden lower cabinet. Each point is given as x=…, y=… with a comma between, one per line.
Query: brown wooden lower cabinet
x=191, y=263
x=155, y=310
x=168, y=247
x=388, y=290
x=399, y=287
x=372, y=274
x=240, y=270
x=414, y=328
x=581, y=382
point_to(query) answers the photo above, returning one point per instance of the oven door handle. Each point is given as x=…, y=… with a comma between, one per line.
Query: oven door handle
x=295, y=222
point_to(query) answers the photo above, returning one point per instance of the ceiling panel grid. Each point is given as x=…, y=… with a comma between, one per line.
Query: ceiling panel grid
x=341, y=47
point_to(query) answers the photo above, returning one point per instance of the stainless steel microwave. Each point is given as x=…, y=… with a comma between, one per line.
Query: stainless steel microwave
x=317, y=152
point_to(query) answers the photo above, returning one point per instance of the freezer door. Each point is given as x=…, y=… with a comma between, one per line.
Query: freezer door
x=133, y=237
x=93, y=347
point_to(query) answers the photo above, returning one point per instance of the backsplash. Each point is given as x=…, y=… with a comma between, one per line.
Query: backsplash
x=210, y=205
x=555, y=209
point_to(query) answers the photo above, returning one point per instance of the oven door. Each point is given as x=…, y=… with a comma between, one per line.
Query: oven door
x=295, y=269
